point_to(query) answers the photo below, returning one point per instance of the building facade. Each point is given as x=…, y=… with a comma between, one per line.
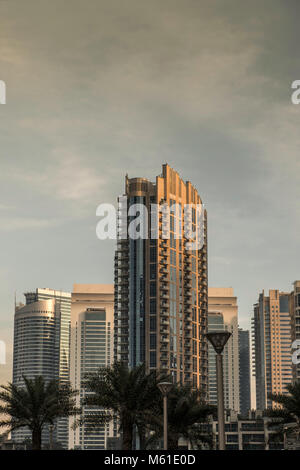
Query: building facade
x=251, y=432
x=223, y=314
x=41, y=347
x=92, y=322
x=272, y=346
x=215, y=323
x=244, y=365
x=294, y=306
x=160, y=283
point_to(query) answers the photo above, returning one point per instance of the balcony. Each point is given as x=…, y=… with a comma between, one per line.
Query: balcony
x=164, y=296
x=164, y=288
x=164, y=312
x=164, y=355
x=123, y=248
x=164, y=339
x=164, y=365
x=164, y=330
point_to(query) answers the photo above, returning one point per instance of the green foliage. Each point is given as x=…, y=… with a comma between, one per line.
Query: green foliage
x=286, y=420
x=128, y=395
x=35, y=404
x=187, y=413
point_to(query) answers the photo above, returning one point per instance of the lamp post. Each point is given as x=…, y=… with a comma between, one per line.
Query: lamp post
x=165, y=388
x=218, y=339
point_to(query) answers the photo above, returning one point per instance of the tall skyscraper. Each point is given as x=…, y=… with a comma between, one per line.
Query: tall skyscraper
x=272, y=346
x=161, y=284
x=294, y=306
x=41, y=346
x=223, y=314
x=92, y=321
x=245, y=386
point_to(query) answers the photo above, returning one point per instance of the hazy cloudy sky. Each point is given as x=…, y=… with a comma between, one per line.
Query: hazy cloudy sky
x=99, y=88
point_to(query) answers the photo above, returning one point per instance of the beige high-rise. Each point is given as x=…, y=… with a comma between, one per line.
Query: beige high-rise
x=272, y=346
x=161, y=286
x=92, y=319
x=223, y=315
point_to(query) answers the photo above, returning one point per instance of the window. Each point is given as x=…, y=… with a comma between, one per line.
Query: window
x=152, y=289
x=153, y=341
x=152, y=359
x=152, y=323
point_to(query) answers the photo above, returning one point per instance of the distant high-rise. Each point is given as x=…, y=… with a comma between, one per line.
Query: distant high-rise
x=41, y=346
x=272, y=346
x=245, y=387
x=161, y=285
x=92, y=321
x=294, y=306
x=223, y=314
x=215, y=323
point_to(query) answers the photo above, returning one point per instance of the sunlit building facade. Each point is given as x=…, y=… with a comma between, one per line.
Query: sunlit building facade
x=272, y=346
x=223, y=314
x=161, y=284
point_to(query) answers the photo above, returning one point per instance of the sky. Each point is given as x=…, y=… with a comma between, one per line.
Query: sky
x=99, y=89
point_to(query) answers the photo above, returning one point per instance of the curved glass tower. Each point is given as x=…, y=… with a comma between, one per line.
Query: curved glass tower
x=41, y=347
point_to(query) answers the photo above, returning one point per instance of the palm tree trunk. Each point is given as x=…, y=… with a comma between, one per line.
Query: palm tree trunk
x=173, y=442
x=142, y=437
x=36, y=438
x=127, y=436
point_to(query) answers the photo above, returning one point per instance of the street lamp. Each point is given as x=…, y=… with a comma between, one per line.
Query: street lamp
x=165, y=388
x=218, y=339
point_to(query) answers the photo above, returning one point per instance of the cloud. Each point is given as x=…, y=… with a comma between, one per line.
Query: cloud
x=120, y=87
x=65, y=177
x=25, y=223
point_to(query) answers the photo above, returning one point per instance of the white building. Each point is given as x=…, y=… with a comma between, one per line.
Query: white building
x=223, y=315
x=92, y=321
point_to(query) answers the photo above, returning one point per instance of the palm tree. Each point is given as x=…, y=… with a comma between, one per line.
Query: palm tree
x=34, y=405
x=187, y=413
x=286, y=418
x=127, y=395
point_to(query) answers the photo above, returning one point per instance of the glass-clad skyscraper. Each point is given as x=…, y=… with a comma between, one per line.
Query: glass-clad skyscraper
x=245, y=385
x=41, y=347
x=161, y=280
